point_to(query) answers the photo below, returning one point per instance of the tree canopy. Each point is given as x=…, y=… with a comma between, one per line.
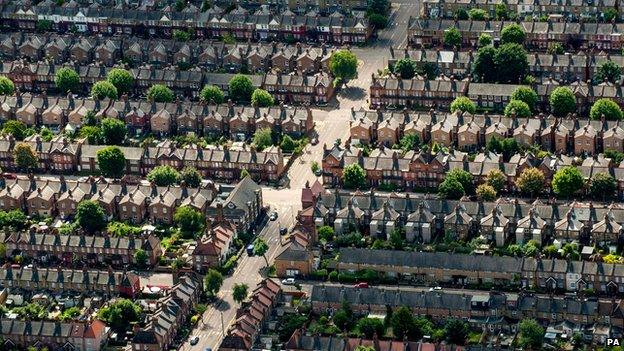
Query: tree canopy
x=119, y=314
x=163, y=176
x=512, y=33
x=343, y=65
x=608, y=71
x=353, y=176
x=213, y=282
x=562, y=101
x=239, y=292
x=160, y=93
x=602, y=186
x=531, y=181
x=66, y=79
x=511, y=63
x=262, y=98
x=25, y=156
x=121, y=79
x=527, y=95
x=103, y=89
x=191, y=177
x=212, y=93
x=190, y=220
x=607, y=108
x=405, y=68
x=262, y=138
x=518, y=108
x=567, y=181
x=531, y=334
x=113, y=131
x=452, y=38
x=6, y=86
x=240, y=88
x=463, y=104
x=90, y=216
x=111, y=161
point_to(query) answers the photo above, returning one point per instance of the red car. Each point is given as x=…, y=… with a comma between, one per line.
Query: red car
x=361, y=285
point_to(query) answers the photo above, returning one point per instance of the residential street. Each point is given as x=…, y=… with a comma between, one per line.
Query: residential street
x=332, y=123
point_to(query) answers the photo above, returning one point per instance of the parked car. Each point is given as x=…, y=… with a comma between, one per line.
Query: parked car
x=273, y=216
x=362, y=285
x=288, y=281
x=194, y=340
x=435, y=288
x=250, y=249
x=318, y=172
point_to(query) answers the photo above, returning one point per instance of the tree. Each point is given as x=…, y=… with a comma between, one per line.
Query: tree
x=484, y=66
x=121, y=79
x=567, y=181
x=353, y=176
x=140, y=257
x=240, y=88
x=451, y=188
x=602, y=186
x=378, y=21
x=326, y=233
x=213, y=282
x=93, y=134
x=409, y=142
x=25, y=157
x=607, y=108
x=111, y=162
x=496, y=179
x=608, y=71
x=211, y=93
x=191, y=177
x=461, y=14
x=32, y=311
x=239, y=292
x=343, y=65
x=69, y=314
x=517, y=108
x=113, y=131
x=452, y=38
x=371, y=327
x=262, y=138
x=402, y=323
x=103, y=89
x=464, y=178
x=181, y=35
x=405, y=68
x=378, y=6
x=531, y=334
x=463, y=104
x=512, y=33
x=484, y=40
x=555, y=49
x=260, y=248
x=526, y=95
x=562, y=101
x=478, y=14
x=314, y=166
x=531, y=181
x=262, y=98
x=15, y=128
x=66, y=79
x=163, y=176
x=120, y=314
x=486, y=192
x=501, y=12
x=287, y=144
x=190, y=220
x=90, y=216
x=511, y=63
x=6, y=86
x=456, y=331
x=160, y=93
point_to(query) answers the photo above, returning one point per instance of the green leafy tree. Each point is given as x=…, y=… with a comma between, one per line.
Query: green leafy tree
x=452, y=38
x=607, y=108
x=461, y=14
x=402, y=323
x=262, y=138
x=526, y=95
x=353, y=176
x=608, y=71
x=163, y=176
x=326, y=233
x=103, y=89
x=517, y=108
x=371, y=327
x=484, y=68
x=478, y=14
x=456, y=331
x=287, y=144
x=465, y=178
x=191, y=177
x=262, y=98
x=140, y=257
x=181, y=35
x=343, y=65
x=6, y=86
x=120, y=314
x=46, y=134
x=562, y=101
x=66, y=79
x=496, y=179
x=378, y=6
x=13, y=219
x=409, y=142
x=32, y=312
x=15, y=128
x=213, y=282
x=531, y=181
x=260, y=248
x=69, y=314
x=122, y=80
x=190, y=220
x=512, y=33
x=502, y=13
x=486, y=192
x=602, y=186
x=463, y=104
x=240, y=88
x=405, y=68
x=531, y=334
x=93, y=134
x=122, y=230
x=160, y=93
x=451, y=188
x=511, y=63
x=90, y=216
x=484, y=40
x=555, y=49
x=25, y=157
x=567, y=181
x=239, y=292
x=113, y=131
x=211, y=93
x=111, y=162
x=315, y=167
x=610, y=14
x=378, y=21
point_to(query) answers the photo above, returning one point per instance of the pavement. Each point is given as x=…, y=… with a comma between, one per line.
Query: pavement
x=331, y=123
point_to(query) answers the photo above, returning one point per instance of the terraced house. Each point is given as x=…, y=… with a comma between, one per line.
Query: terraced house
x=239, y=23
x=75, y=335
